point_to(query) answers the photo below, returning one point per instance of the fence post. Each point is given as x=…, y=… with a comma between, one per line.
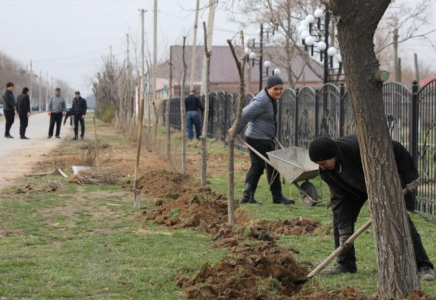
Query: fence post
x=297, y=96
x=279, y=121
x=414, y=132
x=316, y=113
x=342, y=111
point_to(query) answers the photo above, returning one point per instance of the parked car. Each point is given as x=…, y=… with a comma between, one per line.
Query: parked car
x=1, y=110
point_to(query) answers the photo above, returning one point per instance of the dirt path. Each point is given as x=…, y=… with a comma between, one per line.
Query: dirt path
x=17, y=157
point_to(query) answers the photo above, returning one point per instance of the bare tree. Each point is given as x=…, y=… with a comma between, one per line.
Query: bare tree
x=231, y=166
x=182, y=109
x=208, y=55
x=357, y=22
x=170, y=96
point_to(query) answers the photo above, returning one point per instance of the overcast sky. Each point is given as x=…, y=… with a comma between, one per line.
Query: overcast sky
x=67, y=38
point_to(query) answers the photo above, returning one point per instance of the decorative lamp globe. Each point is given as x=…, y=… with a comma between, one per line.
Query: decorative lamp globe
x=253, y=55
x=267, y=64
x=339, y=57
x=277, y=72
x=309, y=41
x=302, y=28
x=331, y=51
x=247, y=50
x=321, y=46
x=318, y=13
x=304, y=23
x=310, y=19
x=305, y=34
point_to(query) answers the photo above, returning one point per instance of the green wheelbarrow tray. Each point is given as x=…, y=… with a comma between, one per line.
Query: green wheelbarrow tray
x=295, y=166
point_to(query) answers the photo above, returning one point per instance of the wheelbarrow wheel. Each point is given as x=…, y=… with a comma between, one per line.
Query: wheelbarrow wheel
x=310, y=195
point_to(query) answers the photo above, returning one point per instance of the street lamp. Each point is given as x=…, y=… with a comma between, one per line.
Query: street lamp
x=316, y=35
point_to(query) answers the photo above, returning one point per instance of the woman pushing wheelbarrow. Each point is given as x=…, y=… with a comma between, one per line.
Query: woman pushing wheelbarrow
x=260, y=116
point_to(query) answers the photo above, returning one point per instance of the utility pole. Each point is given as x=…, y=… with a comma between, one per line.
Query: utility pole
x=399, y=69
x=396, y=66
x=210, y=21
x=194, y=48
x=154, y=68
x=142, y=91
x=40, y=92
x=31, y=84
x=416, y=68
x=47, y=91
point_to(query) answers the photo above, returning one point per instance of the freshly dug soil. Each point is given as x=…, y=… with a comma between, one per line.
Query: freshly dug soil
x=298, y=226
x=260, y=271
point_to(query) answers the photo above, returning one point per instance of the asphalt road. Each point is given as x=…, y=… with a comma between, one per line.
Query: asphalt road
x=17, y=157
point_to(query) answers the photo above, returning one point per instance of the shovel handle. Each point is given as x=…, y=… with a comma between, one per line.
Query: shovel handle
x=349, y=241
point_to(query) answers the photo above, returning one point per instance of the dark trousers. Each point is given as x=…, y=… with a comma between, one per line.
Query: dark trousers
x=68, y=115
x=77, y=119
x=348, y=258
x=9, y=116
x=258, y=165
x=24, y=121
x=55, y=118
x=193, y=119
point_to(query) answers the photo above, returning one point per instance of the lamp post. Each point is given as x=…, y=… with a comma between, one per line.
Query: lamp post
x=257, y=57
x=314, y=34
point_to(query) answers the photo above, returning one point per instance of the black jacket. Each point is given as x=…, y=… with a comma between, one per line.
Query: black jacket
x=347, y=180
x=79, y=107
x=23, y=104
x=8, y=101
x=193, y=103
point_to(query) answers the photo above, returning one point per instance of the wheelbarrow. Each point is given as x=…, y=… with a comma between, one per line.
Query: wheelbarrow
x=295, y=166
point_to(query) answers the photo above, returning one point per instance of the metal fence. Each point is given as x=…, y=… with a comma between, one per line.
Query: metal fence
x=308, y=113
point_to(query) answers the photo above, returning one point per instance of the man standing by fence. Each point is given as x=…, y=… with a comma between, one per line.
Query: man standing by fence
x=56, y=110
x=261, y=115
x=79, y=111
x=9, y=108
x=193, y=107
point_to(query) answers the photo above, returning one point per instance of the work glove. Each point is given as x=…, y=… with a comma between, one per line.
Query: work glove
x=344, y=235
x=414, y=184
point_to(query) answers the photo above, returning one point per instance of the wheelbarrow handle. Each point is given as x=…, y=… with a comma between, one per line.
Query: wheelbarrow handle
x=278, y=143
x=254, y=150
x=341, y=248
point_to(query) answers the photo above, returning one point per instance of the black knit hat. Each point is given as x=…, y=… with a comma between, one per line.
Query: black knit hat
x=322, y=149
x=272, y=81
x=25, y=90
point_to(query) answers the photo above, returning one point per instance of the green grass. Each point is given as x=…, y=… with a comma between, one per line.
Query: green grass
x=87, y=242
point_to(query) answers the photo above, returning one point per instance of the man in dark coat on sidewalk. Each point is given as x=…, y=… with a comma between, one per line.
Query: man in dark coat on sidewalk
x=341, y=168
x=9, y=107
x=23, y=107
x=78, y=111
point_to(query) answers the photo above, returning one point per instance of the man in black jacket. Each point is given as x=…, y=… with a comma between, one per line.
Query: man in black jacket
x=9, y=108
x=193, y=107
x=341, y=168
x=79, y=111
x=23, y=107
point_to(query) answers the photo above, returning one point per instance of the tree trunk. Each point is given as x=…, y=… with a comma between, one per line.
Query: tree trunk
x=231, y=165
x=207, y=54
x=357, y=22
x=170, y=96
x=182, y=109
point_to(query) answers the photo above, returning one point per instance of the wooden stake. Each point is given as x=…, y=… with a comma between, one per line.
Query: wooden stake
x=97, y=162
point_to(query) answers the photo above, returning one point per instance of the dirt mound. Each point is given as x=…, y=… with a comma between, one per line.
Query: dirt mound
x=299, y=226
x=204, y=210
x=260, y=271
x=162, y=184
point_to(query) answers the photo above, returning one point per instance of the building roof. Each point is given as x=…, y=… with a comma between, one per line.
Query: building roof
x=223, y=67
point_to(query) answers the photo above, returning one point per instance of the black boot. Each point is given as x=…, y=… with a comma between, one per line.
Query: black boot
x=280, y=199
x=248, y=196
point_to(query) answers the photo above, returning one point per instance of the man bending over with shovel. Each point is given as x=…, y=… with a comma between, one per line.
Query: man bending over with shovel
x=340, y=166
x=260, y=116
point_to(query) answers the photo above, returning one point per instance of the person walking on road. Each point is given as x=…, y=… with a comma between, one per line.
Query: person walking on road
x=79, y=111
x=193, y=118
x=9, y=108
x=56, y=110
x=260, y=116
x=23, y=108
x=340, y=166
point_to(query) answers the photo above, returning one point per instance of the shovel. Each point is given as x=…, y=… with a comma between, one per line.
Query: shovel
x=339, y=249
